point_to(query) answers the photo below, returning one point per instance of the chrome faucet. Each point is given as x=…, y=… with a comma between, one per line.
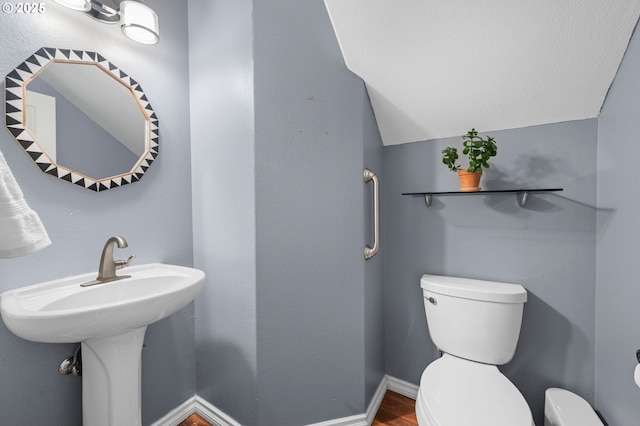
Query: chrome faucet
x=108, y=267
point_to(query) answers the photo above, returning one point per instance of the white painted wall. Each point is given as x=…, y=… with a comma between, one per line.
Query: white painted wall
x=436, y=69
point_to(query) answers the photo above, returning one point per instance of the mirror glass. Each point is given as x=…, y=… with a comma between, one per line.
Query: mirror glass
x=80, y=118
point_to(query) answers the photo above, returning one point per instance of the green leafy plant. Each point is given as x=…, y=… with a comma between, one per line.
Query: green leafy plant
x=477, y=148
x=449, y=157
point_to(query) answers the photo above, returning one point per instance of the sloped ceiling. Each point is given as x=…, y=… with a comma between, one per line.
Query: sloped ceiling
x=435, y=69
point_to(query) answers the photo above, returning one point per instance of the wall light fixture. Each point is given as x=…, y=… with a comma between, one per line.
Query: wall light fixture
x=137, y=21
x=81, y=5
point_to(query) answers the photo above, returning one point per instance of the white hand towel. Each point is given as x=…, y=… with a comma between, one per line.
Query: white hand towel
x=21, y=231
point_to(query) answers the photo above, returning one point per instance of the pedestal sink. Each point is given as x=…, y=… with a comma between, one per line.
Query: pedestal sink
x=110, y=320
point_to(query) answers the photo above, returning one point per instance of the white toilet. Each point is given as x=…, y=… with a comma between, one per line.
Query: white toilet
x=564, y=408
x=476, y=324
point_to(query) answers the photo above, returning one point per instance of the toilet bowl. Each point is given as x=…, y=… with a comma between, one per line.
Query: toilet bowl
x=564, y=408
x=476, y=324
x=455, y=391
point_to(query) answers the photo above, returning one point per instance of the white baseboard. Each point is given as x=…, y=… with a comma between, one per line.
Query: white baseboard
x=199, y=406
x=402, y=387
x=374, y=405
x=212, y=414
x=359, y=420
x=217, y=417
x=177, y=415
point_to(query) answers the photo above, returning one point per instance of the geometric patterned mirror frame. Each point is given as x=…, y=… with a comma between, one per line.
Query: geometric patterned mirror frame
x=15, y=117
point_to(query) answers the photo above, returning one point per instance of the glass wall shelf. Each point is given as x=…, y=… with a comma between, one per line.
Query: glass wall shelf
x=522, y=195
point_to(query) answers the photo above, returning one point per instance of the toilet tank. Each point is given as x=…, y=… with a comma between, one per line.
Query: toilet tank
x=474, y=319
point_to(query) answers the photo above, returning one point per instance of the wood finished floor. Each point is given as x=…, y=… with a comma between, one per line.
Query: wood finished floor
x=195, y=420
x=395, y=410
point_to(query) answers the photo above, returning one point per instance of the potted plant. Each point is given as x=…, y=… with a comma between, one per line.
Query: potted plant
x=479, y=150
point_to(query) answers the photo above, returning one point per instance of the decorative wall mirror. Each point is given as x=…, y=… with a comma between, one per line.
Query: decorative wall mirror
x=80, y=118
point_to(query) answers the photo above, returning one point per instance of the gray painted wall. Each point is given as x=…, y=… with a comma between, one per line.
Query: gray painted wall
x=280, y=133
x=313, y=123
x=224, y=212
x=617, y=313
x=153, y=215
x=290, y=310
x=548, y=247
x=373, y=268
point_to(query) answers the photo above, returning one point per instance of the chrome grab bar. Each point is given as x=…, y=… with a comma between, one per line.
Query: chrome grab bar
x=369, y=252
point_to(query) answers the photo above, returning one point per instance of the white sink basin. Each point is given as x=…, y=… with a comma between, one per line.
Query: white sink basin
x=61, y=311
x=110, y=320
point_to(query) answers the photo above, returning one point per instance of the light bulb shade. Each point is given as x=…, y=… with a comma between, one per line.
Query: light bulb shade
x=81, y=5
x=139, y=22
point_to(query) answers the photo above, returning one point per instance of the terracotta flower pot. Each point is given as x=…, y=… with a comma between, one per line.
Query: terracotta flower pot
x=469, y=181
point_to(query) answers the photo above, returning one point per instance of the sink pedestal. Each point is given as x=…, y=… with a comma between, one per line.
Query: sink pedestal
x=111, y=371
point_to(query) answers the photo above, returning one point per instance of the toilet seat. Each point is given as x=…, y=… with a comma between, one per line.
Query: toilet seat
x=454, y=391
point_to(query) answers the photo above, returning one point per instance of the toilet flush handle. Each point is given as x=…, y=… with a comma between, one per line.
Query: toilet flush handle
x=433, y=301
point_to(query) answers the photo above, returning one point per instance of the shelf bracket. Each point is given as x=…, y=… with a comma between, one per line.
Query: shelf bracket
x=522, y=198
x=522, y=194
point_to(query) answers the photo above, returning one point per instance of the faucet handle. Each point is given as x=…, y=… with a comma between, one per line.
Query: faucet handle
x=123, y=263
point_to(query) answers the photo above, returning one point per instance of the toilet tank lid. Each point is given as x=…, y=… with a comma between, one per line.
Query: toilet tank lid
x=467, y=288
